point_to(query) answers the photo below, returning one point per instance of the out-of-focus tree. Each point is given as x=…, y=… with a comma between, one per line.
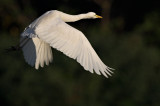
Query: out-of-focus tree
x=106, y=6
x=15, y=16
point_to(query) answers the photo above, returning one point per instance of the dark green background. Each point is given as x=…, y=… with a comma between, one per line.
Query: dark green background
x=127, y=39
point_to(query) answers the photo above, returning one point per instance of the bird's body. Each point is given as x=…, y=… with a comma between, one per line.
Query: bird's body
x=50, y=30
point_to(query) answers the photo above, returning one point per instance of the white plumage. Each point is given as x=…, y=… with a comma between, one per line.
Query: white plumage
x=50, y=30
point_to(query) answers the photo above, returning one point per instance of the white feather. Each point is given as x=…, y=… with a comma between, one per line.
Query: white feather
x=36, y=52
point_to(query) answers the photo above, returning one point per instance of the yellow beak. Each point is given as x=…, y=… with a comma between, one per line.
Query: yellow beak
x=97, y=16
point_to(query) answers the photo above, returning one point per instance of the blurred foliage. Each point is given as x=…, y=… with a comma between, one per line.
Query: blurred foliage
x=128, y=43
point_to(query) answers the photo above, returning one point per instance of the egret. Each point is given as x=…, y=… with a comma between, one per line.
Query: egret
x=51, y=30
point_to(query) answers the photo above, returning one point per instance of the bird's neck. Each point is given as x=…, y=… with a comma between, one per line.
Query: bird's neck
x=72, y=18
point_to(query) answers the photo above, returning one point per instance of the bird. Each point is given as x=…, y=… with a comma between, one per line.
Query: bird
x=51, y=30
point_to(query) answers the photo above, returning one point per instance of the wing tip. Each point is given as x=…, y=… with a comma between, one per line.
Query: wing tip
x=107, y=72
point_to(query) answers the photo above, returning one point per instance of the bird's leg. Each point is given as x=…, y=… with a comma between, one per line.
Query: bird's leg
x=19, y=45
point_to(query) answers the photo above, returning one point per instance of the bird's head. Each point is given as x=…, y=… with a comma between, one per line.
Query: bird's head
x=93, y=15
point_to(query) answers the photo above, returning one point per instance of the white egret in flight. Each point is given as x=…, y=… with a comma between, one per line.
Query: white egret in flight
x=51, y=30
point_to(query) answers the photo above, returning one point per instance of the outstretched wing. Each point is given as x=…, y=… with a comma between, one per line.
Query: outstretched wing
x=72, y=43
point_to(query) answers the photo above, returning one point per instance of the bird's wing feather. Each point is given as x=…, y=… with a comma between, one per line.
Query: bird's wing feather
x=72, y=43
x=36, y=52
